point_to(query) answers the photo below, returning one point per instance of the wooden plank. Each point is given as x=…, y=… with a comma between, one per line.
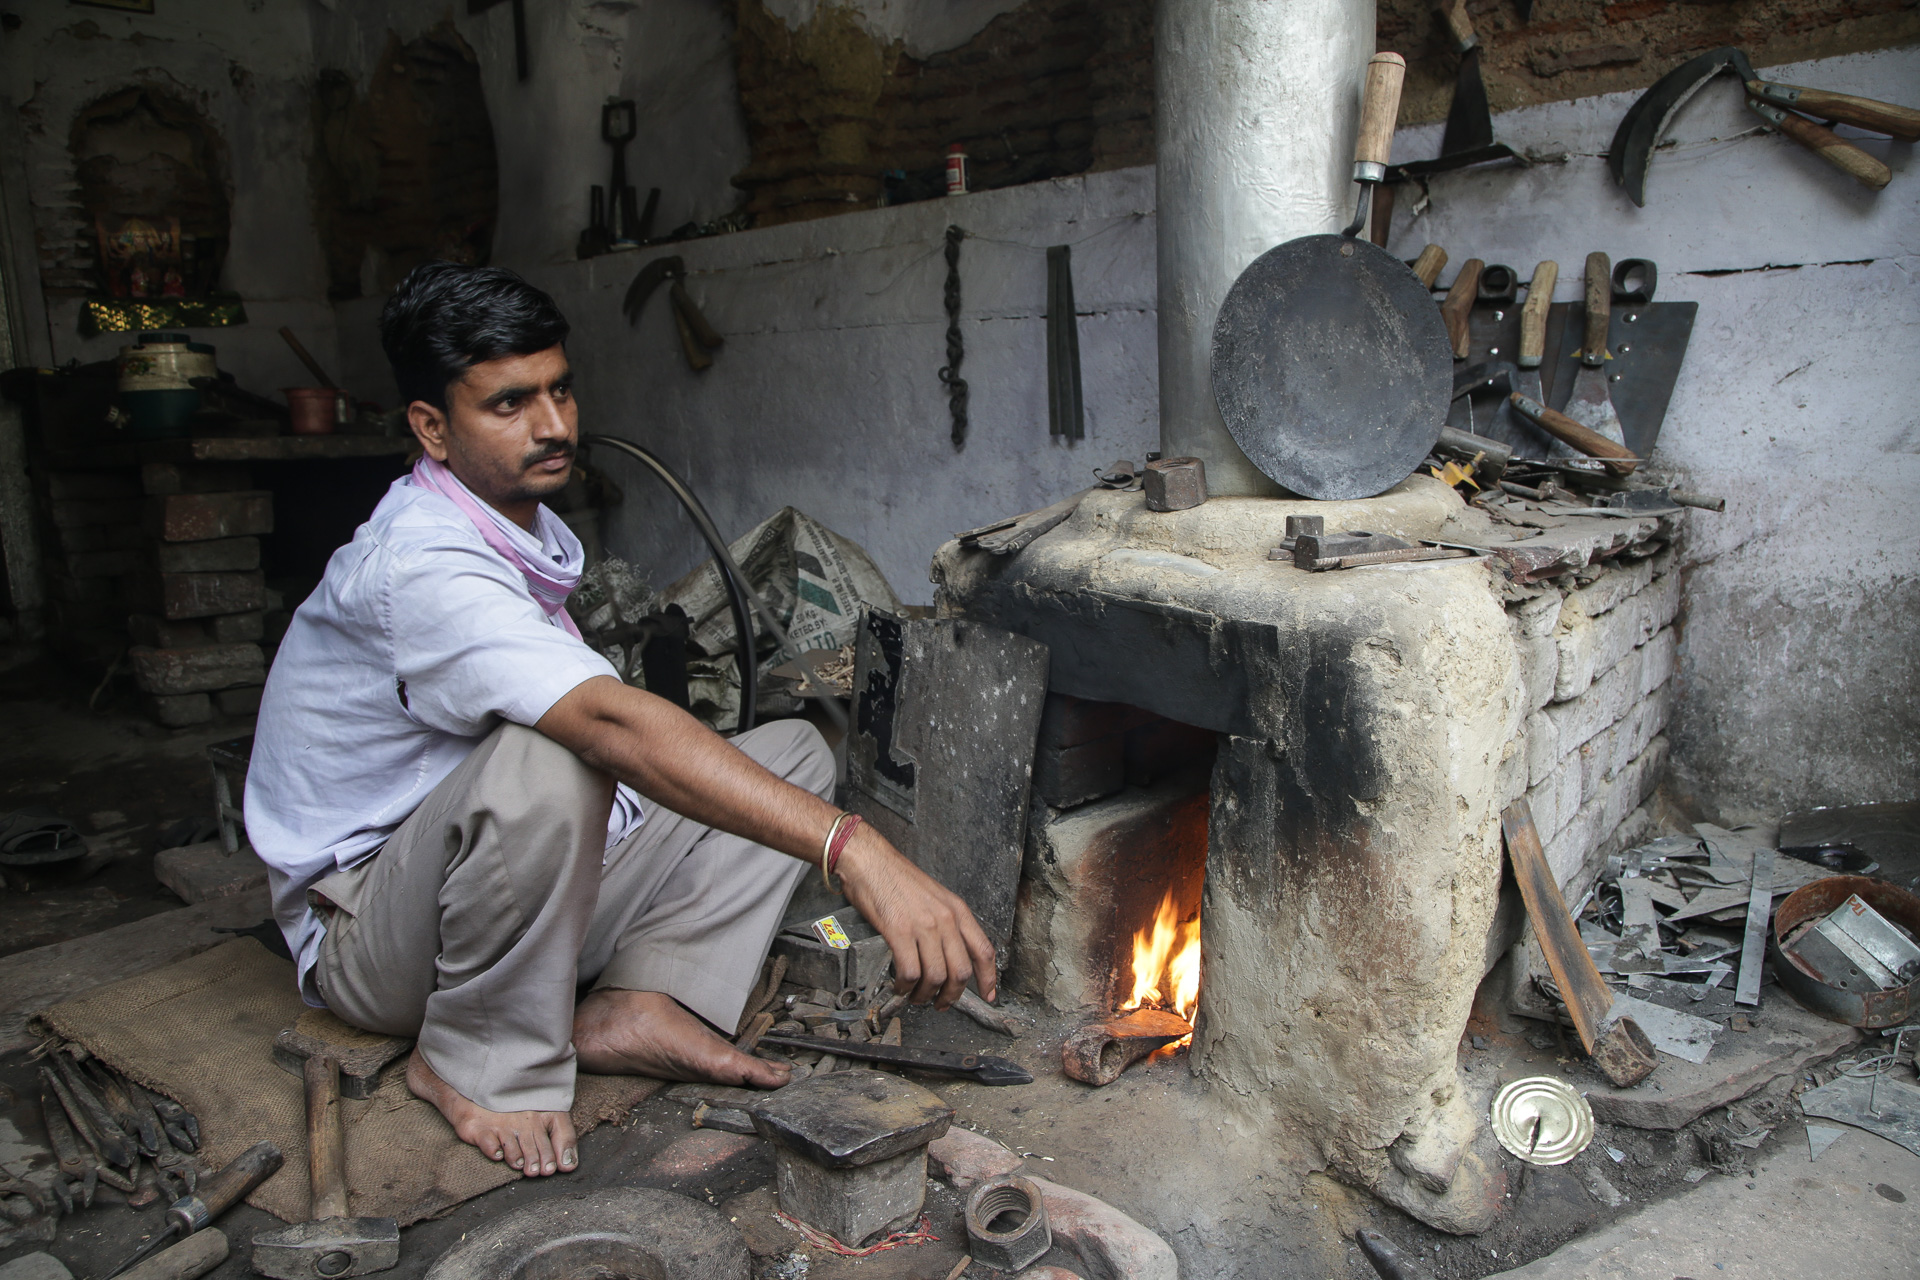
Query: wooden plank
x=1587, y=994
x=32, y=980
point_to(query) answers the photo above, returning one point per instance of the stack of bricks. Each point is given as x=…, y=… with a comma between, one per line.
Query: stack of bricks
x=96, y=548
x=1598, y=662
x=201, y=602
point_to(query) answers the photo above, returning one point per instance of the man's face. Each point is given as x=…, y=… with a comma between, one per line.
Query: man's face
x=510, y=429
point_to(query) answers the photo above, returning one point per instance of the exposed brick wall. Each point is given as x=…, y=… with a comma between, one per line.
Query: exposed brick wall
x=1056, y=87
x=1598, y=665
x=1576, y=48
x=408, y=169
x=1059, y=87
x=146, y=151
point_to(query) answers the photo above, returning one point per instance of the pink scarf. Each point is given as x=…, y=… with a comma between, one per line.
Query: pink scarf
x=549, y=584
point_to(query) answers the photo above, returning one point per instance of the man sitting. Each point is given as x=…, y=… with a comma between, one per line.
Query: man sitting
x=447, y=783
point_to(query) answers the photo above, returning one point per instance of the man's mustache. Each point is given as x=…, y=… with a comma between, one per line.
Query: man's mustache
x=548, y=452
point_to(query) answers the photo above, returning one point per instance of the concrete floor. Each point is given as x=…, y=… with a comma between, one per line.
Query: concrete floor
x=1156, y=1144
x=1854, y=1214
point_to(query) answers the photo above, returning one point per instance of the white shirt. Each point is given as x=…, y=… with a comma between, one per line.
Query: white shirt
x=417, y=643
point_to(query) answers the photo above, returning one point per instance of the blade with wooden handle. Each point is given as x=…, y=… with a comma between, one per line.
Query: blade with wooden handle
x=1826, y=144
x=1533, y=350
x=1591, y=405
x=1470, y=118
x=1459, y=305
x=1574, y=435
x=1863, y=113
x=1373, y=143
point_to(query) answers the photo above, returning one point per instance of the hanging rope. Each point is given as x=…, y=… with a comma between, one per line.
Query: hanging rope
x=956, y=349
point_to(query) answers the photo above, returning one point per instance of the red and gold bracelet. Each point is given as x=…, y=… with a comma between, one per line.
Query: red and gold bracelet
x=837, y=837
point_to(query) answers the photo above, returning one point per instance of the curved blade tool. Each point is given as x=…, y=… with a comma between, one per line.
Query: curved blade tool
x=1640, y=129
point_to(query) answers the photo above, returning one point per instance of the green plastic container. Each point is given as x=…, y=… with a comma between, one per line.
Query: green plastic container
x=156, y=387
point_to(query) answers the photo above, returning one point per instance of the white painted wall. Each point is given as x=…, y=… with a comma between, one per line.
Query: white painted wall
x=1798, y=666
x=826, y=395
x=1798, y=675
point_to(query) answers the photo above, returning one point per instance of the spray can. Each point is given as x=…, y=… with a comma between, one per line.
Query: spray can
x=956, y=169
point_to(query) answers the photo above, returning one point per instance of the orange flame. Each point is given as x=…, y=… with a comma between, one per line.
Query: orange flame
x=1166, y=963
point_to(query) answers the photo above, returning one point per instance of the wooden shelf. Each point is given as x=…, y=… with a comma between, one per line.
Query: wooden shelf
x=275, y=448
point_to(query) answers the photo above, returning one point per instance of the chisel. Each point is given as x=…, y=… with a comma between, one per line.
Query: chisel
x=217, y=1194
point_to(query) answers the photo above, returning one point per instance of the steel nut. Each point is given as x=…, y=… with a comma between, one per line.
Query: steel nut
x=1175, y=484
x=1007, y=1223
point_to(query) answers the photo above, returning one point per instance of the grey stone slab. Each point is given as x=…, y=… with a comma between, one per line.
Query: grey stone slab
x=1784, y=1039
x=32, y=980
x=36, y=1266
x=940, y=752
x=203, y=872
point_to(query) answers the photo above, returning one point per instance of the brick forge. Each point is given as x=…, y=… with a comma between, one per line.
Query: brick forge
x=1370, y=727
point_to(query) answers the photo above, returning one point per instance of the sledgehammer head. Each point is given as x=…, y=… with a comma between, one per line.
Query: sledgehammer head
x=328, y=1249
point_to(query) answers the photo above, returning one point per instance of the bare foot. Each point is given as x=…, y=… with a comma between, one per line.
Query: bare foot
x=647, y=1033
x=536, y=1143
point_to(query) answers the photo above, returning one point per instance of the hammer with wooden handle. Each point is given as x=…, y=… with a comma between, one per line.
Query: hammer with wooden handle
x=332, y=1245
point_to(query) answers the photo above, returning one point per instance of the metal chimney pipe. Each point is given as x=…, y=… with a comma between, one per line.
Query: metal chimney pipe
x=1257, y=103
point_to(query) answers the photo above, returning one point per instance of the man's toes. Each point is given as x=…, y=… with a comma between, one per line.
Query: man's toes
x=565, y=1143
x=539, y=1145
x=758, y=1071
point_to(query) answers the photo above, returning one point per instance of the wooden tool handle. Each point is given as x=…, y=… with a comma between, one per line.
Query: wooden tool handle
x=1866, y=113
x=1432, y=260
x=683, y=303
x=1454, y=14
x=1619, y=458
x=1379, y=108
x=1459, y=305
x=1834, y=149
x=1599, y=300
x=1533, y=314
x=232, y=1184
x=326, y=1138
x=306, y=358
x=697, y=357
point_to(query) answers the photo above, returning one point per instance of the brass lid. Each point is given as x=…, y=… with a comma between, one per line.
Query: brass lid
x=1542, y=1120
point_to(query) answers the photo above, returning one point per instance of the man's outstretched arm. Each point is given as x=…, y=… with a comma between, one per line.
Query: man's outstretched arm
x=674, y=760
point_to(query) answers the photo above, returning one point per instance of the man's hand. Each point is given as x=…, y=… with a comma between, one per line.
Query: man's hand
x=674, y=760
x=937, y=944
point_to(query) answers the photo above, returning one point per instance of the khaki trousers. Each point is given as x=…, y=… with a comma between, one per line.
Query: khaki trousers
x=479, y=921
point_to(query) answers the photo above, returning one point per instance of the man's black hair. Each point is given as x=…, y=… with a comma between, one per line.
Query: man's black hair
x=444, y=318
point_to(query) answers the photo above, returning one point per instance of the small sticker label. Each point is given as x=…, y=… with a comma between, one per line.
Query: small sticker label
x=828, y=930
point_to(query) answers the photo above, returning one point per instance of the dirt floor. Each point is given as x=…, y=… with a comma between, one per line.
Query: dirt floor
x=1155, y=1144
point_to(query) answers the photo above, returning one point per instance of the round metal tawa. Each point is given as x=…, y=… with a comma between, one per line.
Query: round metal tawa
x=1331, y=367
x=1542, y=1120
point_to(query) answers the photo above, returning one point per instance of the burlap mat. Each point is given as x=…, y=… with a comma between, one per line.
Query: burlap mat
x=201, y=1032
